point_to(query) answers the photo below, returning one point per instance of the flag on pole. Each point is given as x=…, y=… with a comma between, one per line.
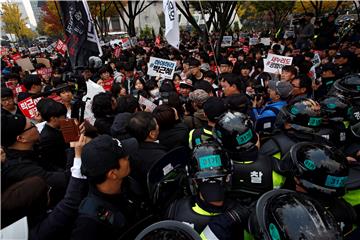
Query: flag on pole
x=172, y=32
x=81, y=38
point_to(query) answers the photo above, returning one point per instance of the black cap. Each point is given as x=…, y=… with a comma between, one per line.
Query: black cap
x=103, y=153
x=213, y=108
x=11, y=127
x=120, y=123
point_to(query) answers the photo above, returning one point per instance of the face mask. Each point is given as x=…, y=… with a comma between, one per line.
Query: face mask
x=155, y=93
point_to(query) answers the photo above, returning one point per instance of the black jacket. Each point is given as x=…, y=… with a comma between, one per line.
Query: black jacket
x=174, y=137
x=22, y=164
x=143, y=159
x=52, y=149
x=6, y=112
x=104, y=216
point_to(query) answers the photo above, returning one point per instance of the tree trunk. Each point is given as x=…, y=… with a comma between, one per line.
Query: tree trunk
x=131, y=29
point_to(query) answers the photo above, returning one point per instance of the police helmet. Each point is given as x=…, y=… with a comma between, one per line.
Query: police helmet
x=234, y=131
x=348, y=87
x=304, y=115
x=284, y=214
x=335, y=109
x=209, y=161
x=319, y=168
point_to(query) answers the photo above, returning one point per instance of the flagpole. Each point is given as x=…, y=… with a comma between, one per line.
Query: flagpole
x=207, y=30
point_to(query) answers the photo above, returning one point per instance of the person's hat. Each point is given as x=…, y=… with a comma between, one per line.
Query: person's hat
x=343, y=53
x=103, y=153
x=194, y=62
x=120, y=123
x=214, y=107
x=328, y=67
x=199, y=96
x=283, y=88
x=11, y=127
x=212, y=191
x=186, y=84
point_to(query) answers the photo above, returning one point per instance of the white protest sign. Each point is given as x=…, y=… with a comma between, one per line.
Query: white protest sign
x=253, y=41
x=147, y=103
x=265, y=41
x=92, y=90
x=316, y=60
x=25, y=64
x=226, y=41
x=34, y=50
x=274, y=63
x=161, y=67
x=115, y=41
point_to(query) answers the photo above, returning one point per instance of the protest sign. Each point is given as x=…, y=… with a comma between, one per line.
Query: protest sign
x=15, y=89
x=60, y=47
x=274, y=63
x=25, y=64
x=265, y=41
x=44, y=61
x=34, y=50
x=316, y=60
x=51, y=47
x=147, y=103
x=226, y=41
x=115, y=41
x=126, y=43
x=28, y=107
x=253, y=41
x=44, y=72
x=92, y=90
x=161, y=67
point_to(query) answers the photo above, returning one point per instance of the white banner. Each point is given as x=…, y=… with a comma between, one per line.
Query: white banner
x=253, y=41
x=274, y=63
x=34, y=50
x=147, y=103
x=265, y=41
x=172, y=32
x=226, y=41
x=161, y=67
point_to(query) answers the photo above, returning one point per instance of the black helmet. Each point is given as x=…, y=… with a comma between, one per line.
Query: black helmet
x=304, y=115
x=208, y=161
x=319, y=168
x=348, y=87
x=285, y=214
x=335, y=108
x=234, y=131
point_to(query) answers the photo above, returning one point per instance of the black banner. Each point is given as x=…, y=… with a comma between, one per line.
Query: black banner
x=81, y=38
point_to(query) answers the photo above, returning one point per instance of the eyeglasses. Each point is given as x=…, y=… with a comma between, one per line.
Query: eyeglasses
x=27, y=129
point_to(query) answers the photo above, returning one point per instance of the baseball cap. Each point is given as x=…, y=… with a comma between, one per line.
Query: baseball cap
x=186, y=84
x=11, y=127
x=283, y=88
x=103, y=153
x=212, y=191
x=120, y=123
x=199, y=96
x=213, y=108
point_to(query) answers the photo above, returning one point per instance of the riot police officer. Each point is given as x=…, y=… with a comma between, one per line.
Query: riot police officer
x=285, y=214
x=321, y=172
x=254, y=173
x=209, y=172
x=299, y=121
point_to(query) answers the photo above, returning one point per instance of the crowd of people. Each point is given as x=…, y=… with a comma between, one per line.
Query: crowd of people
x=233, y=151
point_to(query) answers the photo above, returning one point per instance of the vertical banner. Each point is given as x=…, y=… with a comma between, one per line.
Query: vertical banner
x=172, y=32
x=81, y=37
